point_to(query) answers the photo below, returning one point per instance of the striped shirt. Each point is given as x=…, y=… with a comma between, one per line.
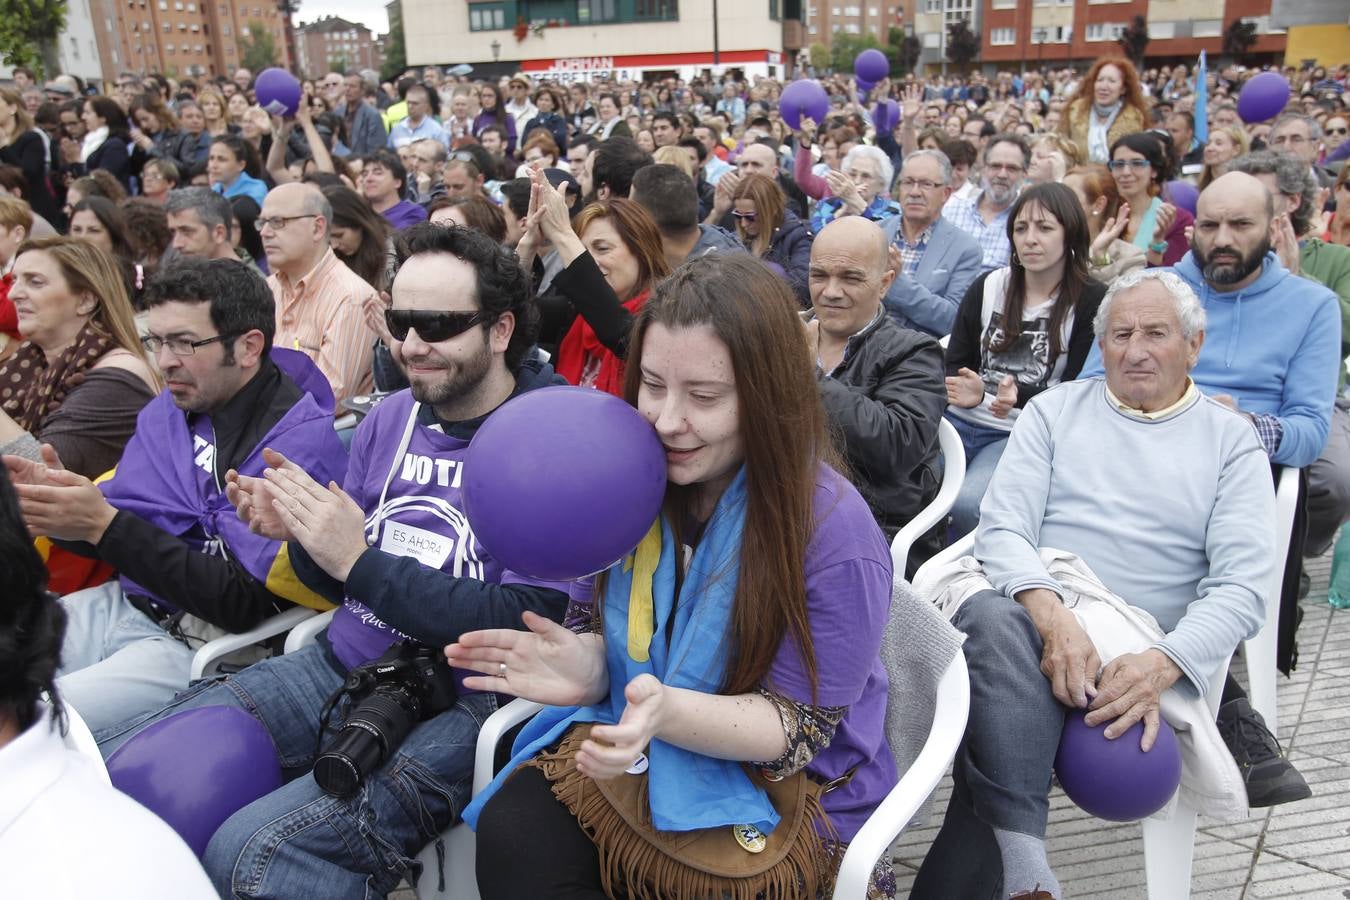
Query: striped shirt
x=321, y=315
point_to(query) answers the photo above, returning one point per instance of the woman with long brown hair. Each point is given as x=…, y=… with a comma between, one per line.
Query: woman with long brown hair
x=80, y=377
x=1108, y=105
x=1020, y=329
x=612, y=257
x=769, y=668
x=771, y=231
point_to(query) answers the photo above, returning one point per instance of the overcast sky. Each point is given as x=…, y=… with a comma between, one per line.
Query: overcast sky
x=369, y=13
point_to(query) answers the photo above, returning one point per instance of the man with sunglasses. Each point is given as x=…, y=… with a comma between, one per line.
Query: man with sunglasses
x=320, y=302
x=190, y=570
x=395, y=548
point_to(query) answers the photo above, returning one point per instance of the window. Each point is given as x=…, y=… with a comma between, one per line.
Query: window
x=852, y=28
x=192, y=7
x=851, y=11
x=488, y=18
x=592, y=11
x=1162, y=31
x=168, y=48
x=929, y=6
x=225, y=29
x=196, y=27
x=178, y=5
x=811, y=30
x=182, y=26
x=75, y=48
x=1004, y=4
x=1105, y=31
x=932, y=40
x=1003, y=37
x=1206, y=28
x=773, y=9
x=167, y=27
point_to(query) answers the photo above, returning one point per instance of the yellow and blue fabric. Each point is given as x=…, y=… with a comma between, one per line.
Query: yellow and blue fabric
x=682, y=641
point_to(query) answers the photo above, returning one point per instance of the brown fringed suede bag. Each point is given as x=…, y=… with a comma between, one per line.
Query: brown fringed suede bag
x=641, y=863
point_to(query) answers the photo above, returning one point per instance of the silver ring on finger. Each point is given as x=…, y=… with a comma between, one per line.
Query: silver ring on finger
x=501, y=670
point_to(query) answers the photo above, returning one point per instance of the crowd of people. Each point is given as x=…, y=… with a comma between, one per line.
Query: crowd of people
x=1131, y=328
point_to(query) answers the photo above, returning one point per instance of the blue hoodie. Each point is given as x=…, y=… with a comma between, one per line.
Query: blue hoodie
x=1275, y=346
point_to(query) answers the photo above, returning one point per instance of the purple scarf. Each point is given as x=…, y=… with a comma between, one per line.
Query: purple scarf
x=167, y=472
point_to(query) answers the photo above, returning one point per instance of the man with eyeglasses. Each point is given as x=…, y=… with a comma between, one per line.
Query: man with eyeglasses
x=319, y=301
x=934, y=261
x=395, y=547
x=1300, y=136
x=190, y=570
x=985, y=215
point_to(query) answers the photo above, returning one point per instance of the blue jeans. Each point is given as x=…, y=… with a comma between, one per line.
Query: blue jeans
x=299, y=841
x=984, y=448
x=1001, y=776
x=116, y=662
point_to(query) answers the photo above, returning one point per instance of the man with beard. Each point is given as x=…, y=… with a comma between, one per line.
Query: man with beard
x=1271, y=352
x=396, y=550
x=188, y=566
x=985, y=215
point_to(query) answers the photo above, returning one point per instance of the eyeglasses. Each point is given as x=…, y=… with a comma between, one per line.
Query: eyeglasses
x=432, y=325
x=1338, y=131
x=909, y=184
x=462, y=156
x=278, y=223
x=1120, y=165
x=744, y=216
x=153, y=343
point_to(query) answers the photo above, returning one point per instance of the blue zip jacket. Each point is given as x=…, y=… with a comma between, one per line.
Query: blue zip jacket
x=1274, y=346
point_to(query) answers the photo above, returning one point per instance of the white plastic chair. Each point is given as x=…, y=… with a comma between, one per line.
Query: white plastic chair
x=876, y=835
x=307, y=631
x=914, y=787
x=209, y=657
x=1260, y=651
x=460, y=880
x=953, y=474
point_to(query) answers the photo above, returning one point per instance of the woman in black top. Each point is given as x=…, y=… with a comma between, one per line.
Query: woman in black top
x=105, y=141
x=1020, y=329
x=22, y=146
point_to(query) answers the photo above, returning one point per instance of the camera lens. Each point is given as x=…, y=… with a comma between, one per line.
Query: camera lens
x=377, y=724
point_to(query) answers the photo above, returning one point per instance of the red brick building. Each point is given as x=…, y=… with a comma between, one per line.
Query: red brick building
x=198, y=38
x=333, y=44
x=1031, y=33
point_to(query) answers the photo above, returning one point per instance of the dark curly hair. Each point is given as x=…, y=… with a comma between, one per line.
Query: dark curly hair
x=503, y=286
x=32, y=623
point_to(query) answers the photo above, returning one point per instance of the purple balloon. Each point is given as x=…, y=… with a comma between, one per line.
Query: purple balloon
x=864, y=88
x=1115, y=780
x=886, y=116
x=871, y=65
x=1263, y=97
x=1182, y=194
x=197, y=768
x=803, y=98
x=563, y=482
x=277, y=91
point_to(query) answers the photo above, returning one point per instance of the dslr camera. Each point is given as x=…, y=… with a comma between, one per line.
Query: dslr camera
x=410, y=683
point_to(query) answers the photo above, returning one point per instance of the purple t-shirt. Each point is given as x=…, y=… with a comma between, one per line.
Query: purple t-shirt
x=407, y=480
x=848, y=595
x=404, y=213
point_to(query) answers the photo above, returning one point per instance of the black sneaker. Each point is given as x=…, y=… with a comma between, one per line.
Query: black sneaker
x=1270, y=778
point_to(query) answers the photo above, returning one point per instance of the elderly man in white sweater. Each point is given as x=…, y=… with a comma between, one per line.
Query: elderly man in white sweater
x=1167, y=496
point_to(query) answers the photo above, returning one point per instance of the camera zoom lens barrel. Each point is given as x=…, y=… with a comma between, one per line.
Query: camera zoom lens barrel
x=375, y=726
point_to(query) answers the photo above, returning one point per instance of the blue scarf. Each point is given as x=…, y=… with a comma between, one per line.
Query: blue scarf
x=686, y=790
x=1144, y=236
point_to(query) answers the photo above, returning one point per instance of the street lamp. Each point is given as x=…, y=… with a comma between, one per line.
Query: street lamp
x=496, y=46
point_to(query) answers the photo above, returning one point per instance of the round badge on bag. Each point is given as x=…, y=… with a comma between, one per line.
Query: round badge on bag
x=751, y=839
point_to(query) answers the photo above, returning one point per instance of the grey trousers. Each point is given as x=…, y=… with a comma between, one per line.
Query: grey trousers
x=1003, y=768
x=1329, y=484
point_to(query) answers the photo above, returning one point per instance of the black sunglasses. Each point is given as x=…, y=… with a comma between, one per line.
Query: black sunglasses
x=432, y=325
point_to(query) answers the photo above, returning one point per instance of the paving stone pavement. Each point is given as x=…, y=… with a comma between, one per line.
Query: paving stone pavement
x=1297, y=850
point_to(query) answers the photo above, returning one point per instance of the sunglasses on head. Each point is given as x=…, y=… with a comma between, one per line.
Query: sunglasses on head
x=432, y=325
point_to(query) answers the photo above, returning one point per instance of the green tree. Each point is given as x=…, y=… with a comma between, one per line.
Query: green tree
x=845, y=48
x=1238, y=38
x=258, y=50
x=820, y=56
x=963, y=45
x=395, y=51
x=1133, y=40
x=904, y=51
x=29, y=30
